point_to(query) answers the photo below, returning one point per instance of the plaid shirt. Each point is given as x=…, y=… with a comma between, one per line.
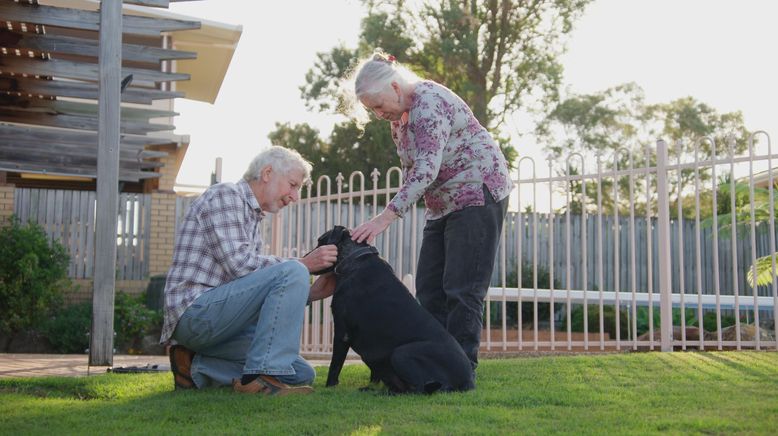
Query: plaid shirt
x=219, y=241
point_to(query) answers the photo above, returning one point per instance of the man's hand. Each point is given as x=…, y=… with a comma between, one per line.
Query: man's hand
x=320, y=258
x=323, y=287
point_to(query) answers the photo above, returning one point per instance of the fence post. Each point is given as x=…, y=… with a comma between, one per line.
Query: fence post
x=663, y=219
x=276, y=242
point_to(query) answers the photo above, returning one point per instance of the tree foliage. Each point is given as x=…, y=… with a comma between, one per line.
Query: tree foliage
x=618, y=121
x=761, y=204
x=495, y=55
x=349, y=149
x=500, y=57
x=619, y=118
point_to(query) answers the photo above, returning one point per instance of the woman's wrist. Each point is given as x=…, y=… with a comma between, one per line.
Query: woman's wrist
x=388, y=215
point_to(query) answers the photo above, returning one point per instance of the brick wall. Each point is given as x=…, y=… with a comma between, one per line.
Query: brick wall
x=169, y=172
x=82, y=291
x=163, y=225
x=6, y=202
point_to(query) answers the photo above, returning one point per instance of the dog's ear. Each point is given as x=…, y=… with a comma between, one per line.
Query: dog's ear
x=324, y=239
x=331, y=237
x=336, y=235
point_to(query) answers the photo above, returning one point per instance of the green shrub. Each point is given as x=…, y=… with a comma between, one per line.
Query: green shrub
x=33, y=272
x=133, y=320
x=67, y=329
x=512, y=311
x=593, y=316
x=709, y=321
x=641, y=322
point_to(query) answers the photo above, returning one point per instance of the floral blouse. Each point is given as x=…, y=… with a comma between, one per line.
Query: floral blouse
x=446, y=155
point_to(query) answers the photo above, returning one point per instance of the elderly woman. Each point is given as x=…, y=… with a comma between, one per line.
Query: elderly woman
x=451, y=160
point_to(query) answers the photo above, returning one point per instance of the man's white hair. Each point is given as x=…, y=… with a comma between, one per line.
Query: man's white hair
x=281, y=159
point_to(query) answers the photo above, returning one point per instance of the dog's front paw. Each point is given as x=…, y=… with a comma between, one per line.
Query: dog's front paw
x=331, y=384
x=373, y=386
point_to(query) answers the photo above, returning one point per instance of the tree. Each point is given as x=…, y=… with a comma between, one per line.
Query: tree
x=618, y=120
x=495, y=55
x=498, y=56
x=745, y=205
x=349, y=149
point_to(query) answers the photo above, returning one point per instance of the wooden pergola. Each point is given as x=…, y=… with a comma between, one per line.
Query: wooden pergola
x=64, y=74
x=50, y=86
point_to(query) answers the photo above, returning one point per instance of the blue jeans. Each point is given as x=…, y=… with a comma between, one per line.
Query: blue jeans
x=455, y=267
x=251, y=325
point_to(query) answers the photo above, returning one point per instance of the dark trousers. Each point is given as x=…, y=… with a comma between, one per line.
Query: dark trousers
x=455, y=268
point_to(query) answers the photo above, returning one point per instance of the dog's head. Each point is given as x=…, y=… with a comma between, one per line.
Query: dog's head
x=340, y=237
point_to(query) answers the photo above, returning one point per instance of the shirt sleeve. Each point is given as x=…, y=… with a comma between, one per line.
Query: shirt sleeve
x=429, y=130
x=226, y=235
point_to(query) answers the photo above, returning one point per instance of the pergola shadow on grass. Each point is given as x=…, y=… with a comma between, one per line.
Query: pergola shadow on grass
x=712, y=392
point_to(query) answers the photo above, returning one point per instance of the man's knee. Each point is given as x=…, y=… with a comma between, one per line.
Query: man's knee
x=295, y=270
x=299, y=278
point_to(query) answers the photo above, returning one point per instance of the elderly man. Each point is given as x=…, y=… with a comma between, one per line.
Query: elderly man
x=235, y=313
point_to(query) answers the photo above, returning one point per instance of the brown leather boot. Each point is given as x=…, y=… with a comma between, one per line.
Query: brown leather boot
x=181, y=365
x=268, y=385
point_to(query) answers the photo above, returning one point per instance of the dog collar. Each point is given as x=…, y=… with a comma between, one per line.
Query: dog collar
x=356, y=254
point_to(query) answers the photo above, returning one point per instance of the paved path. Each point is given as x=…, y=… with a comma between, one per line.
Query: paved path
x=40, y=365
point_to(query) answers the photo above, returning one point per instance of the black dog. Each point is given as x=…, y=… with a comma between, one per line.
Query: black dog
x=376, y=315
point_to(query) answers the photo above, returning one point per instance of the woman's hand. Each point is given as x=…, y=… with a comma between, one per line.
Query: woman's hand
x=323, y=287
x=369, y=230
x=320, y=258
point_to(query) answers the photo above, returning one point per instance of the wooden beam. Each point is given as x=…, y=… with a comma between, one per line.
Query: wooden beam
x=78, y=109
x=51, y=157
x=86, y=47
x=80, y=122
x=65, y=107
x=64, y=170
x=44, y=135
x=86, y=90
x=30, y=147
x=152, y=3
x=80, y=70
x=101, y=348
x=89, y=20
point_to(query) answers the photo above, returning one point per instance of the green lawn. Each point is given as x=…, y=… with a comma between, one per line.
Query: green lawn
x=711, y=392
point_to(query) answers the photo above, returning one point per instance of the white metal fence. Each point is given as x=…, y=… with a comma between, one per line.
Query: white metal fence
x=641, y=276
x=69, y=217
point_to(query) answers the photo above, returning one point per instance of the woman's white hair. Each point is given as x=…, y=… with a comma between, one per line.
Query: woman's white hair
x=281, y=159
x=371, y=76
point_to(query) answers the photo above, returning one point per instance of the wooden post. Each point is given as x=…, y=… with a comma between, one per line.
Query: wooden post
x=101, y=347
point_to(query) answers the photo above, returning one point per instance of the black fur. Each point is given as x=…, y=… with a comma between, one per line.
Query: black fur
x=376, y=315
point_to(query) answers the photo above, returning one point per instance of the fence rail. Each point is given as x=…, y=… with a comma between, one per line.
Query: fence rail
x=623, y=266
x=69, y=216
x=616, y=265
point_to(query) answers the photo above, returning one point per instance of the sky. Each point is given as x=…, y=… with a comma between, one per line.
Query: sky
x=721, y=52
